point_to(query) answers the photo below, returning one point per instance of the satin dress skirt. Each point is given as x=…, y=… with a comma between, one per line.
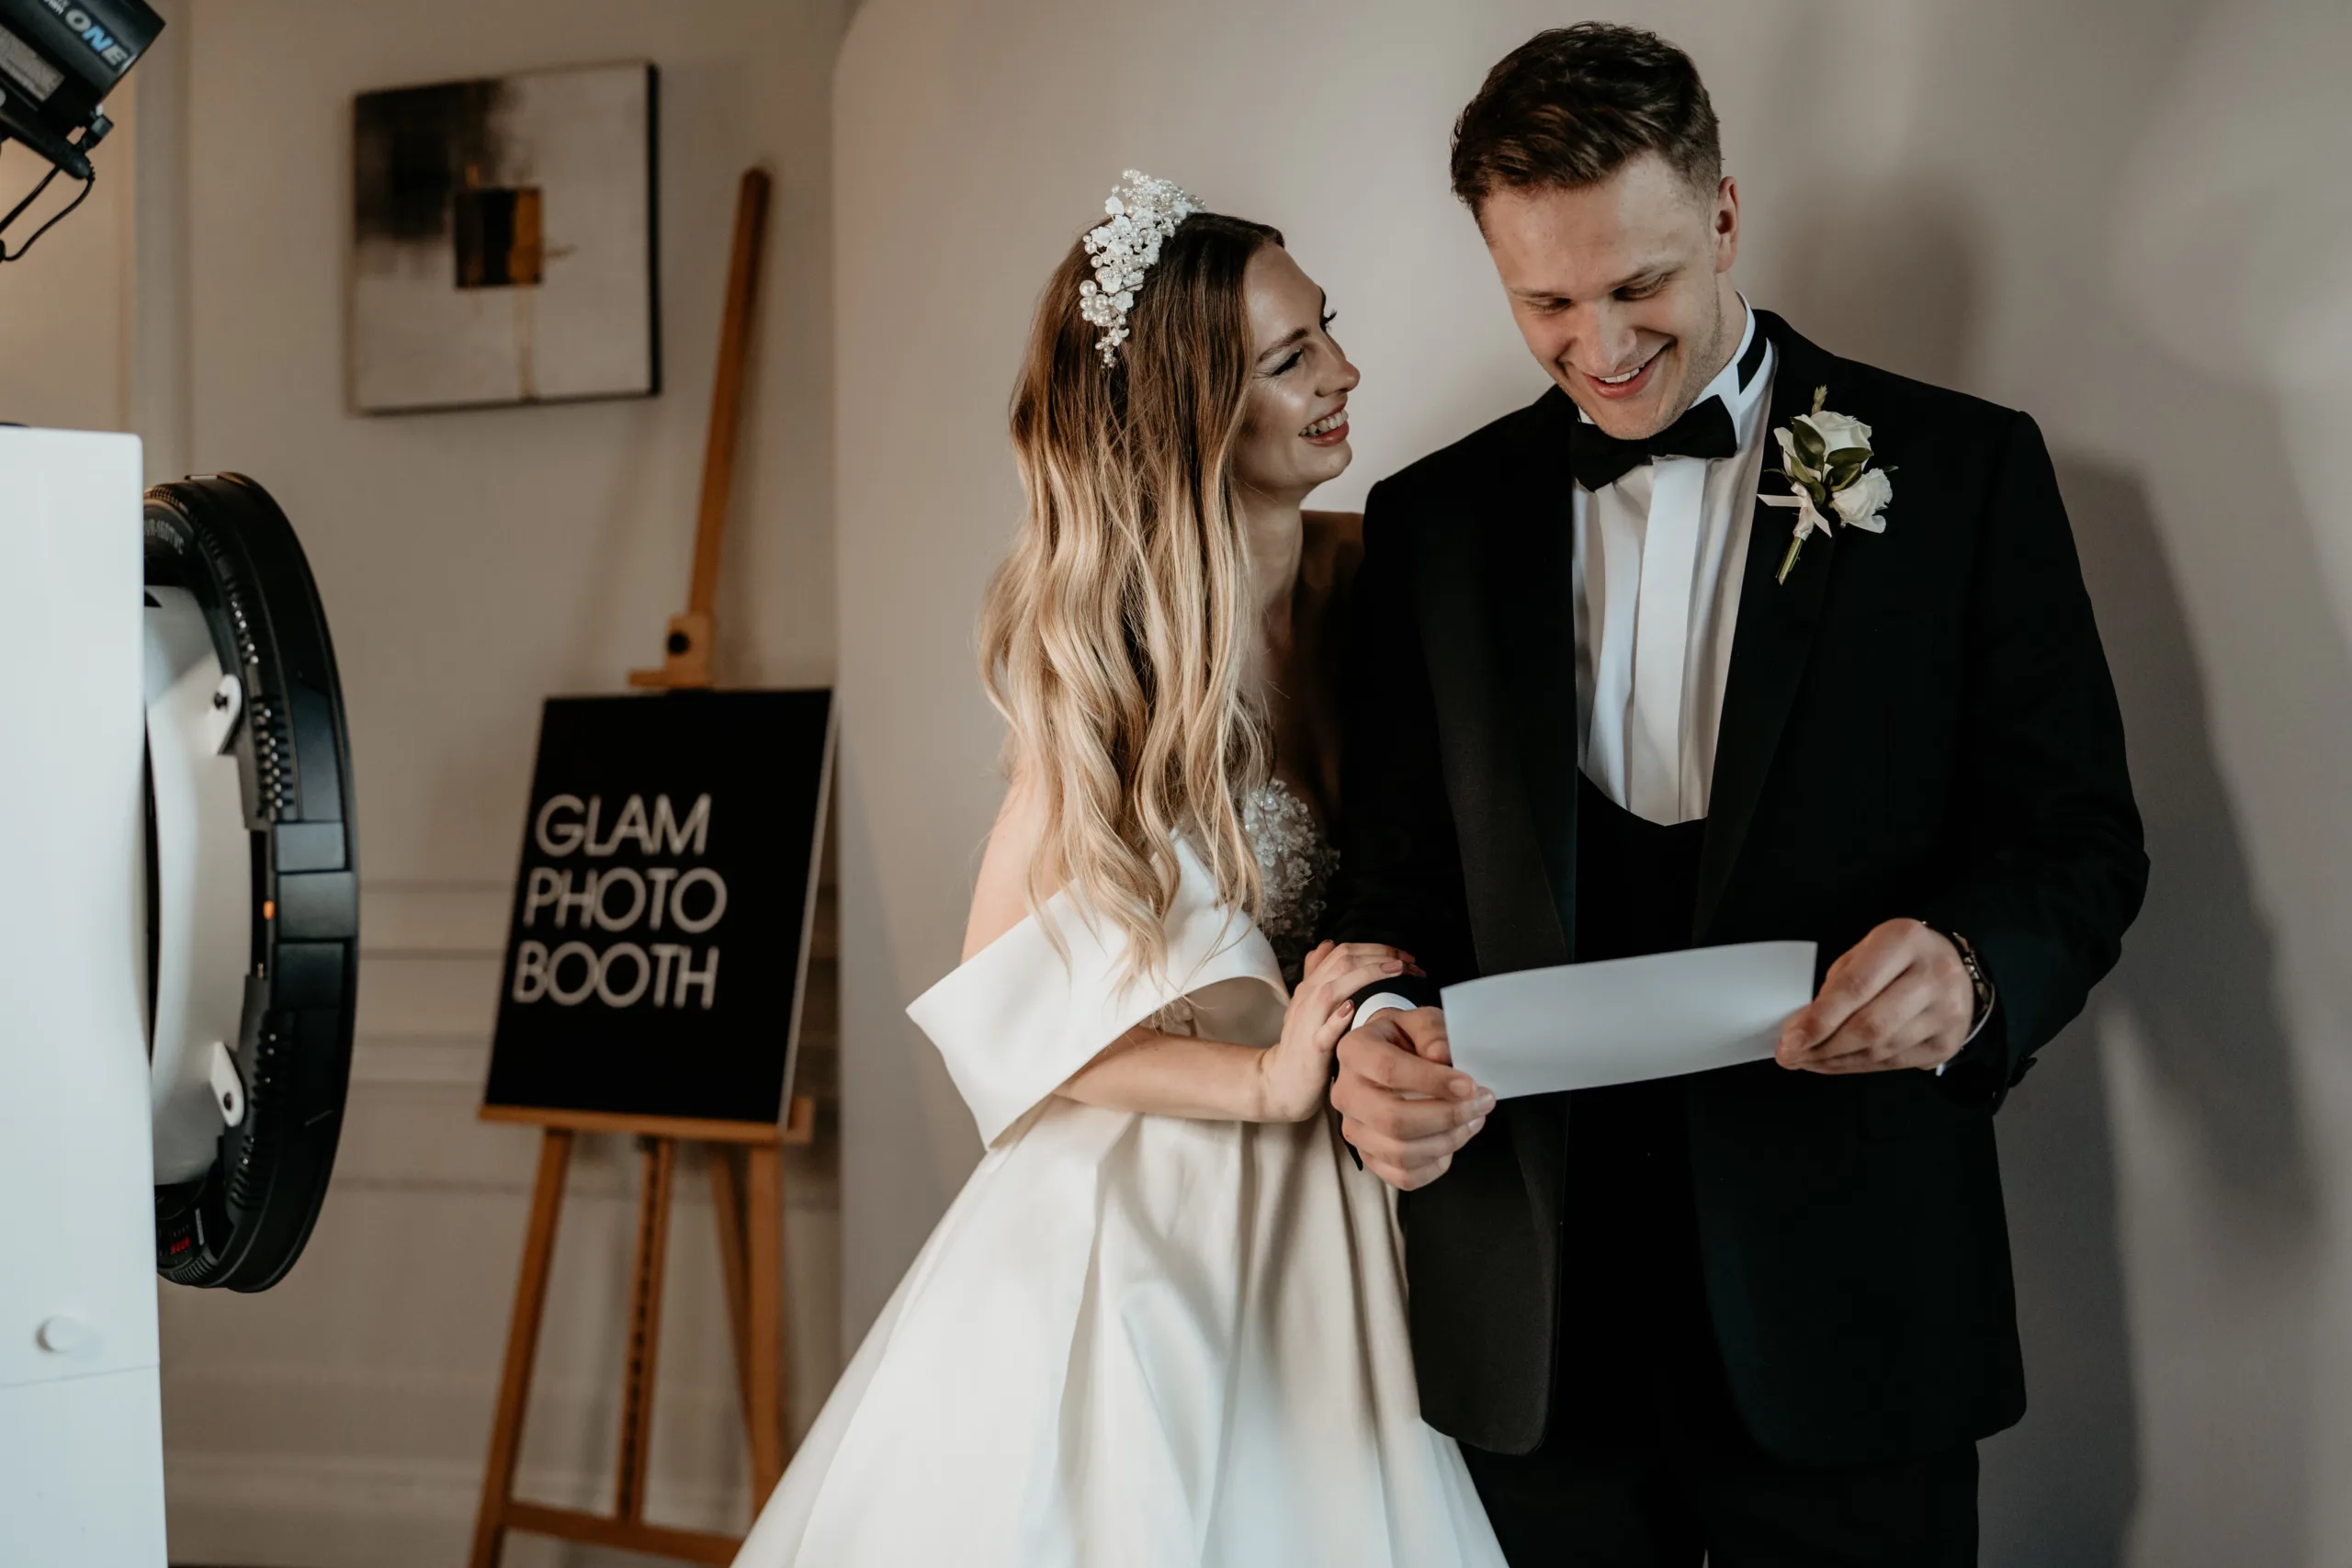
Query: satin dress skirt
x=1133, y=1339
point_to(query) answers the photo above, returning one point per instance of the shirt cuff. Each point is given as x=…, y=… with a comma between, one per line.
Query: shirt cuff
x=1380, y=1001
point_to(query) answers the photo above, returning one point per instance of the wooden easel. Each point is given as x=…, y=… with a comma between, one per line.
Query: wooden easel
x=686, y=651
x=747, y=1198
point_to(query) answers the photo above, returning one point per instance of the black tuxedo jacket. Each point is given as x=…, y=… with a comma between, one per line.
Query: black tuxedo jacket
x=1917, y=723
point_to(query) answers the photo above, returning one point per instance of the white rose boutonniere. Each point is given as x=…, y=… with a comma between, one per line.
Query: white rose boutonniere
x=1825, y=458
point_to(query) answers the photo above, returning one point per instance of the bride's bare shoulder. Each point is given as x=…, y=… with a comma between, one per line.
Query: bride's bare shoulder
x=1000, y=898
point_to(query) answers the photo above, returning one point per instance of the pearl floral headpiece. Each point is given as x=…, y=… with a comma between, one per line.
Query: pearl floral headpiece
x=1144, y=212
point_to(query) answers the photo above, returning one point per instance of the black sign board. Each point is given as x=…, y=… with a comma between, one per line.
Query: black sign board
x=659, y=944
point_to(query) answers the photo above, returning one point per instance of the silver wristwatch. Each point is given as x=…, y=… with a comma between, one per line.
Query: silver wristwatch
x=1978, y=981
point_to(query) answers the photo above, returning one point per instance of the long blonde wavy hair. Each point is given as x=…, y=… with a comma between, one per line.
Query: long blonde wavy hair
x=1117, y=637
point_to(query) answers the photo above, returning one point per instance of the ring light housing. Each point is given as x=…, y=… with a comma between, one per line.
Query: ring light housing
x=252, y=886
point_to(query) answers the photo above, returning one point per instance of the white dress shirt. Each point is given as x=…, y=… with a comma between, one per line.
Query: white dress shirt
x=1658, y=559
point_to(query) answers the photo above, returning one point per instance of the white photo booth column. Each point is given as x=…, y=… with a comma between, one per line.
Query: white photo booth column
x=178, y=939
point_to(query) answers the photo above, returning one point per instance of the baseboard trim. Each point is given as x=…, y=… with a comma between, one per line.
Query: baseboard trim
x=341, y=1511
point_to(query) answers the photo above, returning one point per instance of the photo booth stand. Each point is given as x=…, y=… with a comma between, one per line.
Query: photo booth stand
x=745, y=1157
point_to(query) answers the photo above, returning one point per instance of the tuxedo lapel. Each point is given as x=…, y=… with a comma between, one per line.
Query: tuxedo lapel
x=1773, y=636
x=1531, y=583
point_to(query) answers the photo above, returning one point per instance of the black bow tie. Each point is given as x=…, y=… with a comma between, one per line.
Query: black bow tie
x=1599, y=458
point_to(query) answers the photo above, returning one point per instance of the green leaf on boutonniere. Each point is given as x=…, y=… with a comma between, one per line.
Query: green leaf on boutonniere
x=1806, y=484
x=1849, y=457
x=1809, y=445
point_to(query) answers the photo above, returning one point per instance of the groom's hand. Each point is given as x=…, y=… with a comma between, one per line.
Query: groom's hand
x=1400, y=1101
x=1898, y=998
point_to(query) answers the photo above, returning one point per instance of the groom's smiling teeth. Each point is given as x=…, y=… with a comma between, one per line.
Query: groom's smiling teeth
x=1625, y=384
x=1332, y=427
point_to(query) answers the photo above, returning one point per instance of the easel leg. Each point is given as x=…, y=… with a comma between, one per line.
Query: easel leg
x=522, y=1347
x=727, y=1209
x=659, y=1158
x=762, y=1367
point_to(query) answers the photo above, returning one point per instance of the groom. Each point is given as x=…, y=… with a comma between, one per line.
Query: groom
x=1620, y=687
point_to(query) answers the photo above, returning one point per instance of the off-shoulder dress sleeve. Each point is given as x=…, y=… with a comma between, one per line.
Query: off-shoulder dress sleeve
x=1017, y=1018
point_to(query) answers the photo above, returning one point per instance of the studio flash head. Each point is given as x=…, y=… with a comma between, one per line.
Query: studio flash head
x=59, y=59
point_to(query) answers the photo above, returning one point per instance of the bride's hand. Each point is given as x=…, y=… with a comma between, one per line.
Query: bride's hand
x=1297, y=1069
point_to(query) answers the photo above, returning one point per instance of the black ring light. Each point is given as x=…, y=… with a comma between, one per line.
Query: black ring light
x=253, y=886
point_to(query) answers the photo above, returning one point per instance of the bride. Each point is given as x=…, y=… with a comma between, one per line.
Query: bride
x=1164, y=1322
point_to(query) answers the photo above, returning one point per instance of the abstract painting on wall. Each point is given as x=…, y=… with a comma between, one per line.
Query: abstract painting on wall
x=502, y=241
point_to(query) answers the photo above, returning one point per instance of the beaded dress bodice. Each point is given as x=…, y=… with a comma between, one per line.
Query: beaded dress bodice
x=1296, y=860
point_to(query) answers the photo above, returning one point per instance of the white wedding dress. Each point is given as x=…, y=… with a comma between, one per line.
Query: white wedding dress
x=1136, y=1340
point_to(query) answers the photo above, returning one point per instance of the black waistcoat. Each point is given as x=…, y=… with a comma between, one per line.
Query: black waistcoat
x=1635, y=1341
x=1637, y=883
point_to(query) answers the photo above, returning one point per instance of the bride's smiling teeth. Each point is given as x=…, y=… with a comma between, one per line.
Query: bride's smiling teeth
x=1336, y=420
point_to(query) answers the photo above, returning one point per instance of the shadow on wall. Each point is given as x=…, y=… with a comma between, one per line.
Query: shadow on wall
x=1890, y=279
x=2197, y=981
x=2197, y=973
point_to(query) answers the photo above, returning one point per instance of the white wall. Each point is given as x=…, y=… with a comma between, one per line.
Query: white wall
x=2126, y=216
x=472, y=564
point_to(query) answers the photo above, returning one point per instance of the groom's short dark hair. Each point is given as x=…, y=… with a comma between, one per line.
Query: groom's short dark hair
x=1571, y=106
